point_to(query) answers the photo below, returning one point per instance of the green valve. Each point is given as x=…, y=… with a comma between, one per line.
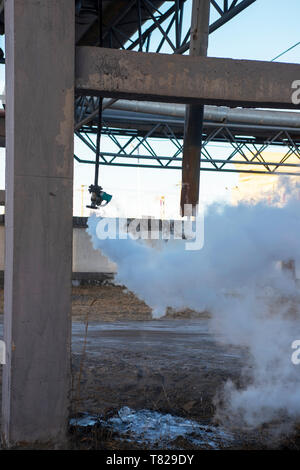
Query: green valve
x=99, y=198
x=106, y=197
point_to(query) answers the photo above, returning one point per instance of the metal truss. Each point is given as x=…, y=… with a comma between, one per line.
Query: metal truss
x=147, y=18
x=135, y=148
x=167, y=23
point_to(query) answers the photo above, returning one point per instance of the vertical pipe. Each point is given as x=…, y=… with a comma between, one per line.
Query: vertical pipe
x=194, y=113
x=99, y=130
x=177, y=25
x=139, y=11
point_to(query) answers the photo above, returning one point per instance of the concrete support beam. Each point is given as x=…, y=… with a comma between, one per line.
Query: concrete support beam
x=184, y=79
x=40, y=39
x=194, y=114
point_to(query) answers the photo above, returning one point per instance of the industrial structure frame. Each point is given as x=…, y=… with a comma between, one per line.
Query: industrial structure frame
x=252, y=152
x=39, y=131
x=132, y=128
x=138, y=12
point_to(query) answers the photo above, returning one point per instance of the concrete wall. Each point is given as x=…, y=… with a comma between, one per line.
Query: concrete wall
x=85, y=258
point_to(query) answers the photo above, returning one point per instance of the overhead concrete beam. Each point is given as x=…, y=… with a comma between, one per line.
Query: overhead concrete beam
x=184, y=79
x=39, y=111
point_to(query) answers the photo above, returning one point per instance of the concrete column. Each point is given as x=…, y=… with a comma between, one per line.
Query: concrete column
x=194, y=113
x=39, y=183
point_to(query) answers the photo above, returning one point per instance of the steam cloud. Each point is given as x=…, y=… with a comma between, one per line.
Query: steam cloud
x=236, y=278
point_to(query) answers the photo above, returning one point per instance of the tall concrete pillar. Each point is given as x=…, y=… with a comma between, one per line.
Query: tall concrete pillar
x=39, y=183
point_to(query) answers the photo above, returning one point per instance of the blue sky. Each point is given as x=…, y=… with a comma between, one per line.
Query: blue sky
x=261, y=32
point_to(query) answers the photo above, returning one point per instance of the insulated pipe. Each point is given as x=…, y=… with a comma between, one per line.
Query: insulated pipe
x=220, y=114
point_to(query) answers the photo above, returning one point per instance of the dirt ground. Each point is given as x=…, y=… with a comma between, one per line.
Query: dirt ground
x=107, y=303
x=122, y=357
x=172, y=365
x=146, y=374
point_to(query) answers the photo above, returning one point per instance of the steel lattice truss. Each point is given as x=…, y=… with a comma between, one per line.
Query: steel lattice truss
x=132, y=137
x=147, y=18
x=246, y=155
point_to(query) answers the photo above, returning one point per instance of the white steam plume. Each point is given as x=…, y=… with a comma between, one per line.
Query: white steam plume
x=235, y=277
